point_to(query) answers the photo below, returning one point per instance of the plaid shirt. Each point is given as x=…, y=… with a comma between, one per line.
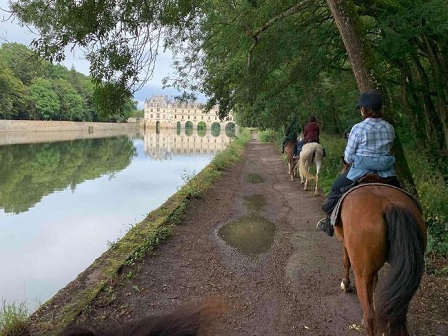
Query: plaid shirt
x=373, y=137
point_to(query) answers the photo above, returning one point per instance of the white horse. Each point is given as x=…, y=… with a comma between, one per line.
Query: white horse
x=312, y=152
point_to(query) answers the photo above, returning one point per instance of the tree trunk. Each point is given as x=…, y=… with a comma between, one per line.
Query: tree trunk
x=362, y=60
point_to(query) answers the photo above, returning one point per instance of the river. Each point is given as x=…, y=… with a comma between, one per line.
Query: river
x=62, y=203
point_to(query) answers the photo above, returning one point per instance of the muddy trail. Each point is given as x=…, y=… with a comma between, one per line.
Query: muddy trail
x=251, y=241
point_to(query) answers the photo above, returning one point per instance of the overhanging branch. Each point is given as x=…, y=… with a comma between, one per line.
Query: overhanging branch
x=292, y=10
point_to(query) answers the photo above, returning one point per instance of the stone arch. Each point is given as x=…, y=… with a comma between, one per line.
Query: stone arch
x=215, y=129
x=230, y=130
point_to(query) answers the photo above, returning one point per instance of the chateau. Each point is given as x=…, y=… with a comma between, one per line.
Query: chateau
x=160, y=112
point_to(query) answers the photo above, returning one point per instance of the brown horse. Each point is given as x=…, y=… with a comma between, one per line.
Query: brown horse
x=290, y=149
x=378, y=223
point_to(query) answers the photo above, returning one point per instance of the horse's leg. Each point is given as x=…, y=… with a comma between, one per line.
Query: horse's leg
x=367, y=253
x=316, y=190
x=364, y=288
x=345, y=283
x=291, y=169
x=305, y=187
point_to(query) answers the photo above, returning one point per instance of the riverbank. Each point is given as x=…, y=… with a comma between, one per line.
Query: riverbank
x=142, y=239
x=287, y=285
x=38, y=131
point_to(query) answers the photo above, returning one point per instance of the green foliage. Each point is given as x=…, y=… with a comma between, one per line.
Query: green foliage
x=191, y=187
x=31, y=88
x=433, y=195
x=149, y=244
x=71, y=103
x=334, y=148
x=45, y=99
x=233, y=152
x=267, y=136
x=139, y=114
x=110, y=100
x=13, y=319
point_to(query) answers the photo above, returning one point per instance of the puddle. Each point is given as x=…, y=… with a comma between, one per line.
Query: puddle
x=254, y=203
x=251, y=235
x=254, y=178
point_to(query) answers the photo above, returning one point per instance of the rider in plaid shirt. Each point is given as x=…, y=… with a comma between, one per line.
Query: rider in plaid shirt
x=368, y=150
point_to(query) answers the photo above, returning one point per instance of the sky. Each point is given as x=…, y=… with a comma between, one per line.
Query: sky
x=11, y=31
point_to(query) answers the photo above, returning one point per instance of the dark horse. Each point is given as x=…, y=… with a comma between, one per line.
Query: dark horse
x=378, y=223
x=187, y=321
x=290, y=149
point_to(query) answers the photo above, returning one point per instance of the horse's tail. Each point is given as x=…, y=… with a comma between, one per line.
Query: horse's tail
x=406, y=257
x=304, y=157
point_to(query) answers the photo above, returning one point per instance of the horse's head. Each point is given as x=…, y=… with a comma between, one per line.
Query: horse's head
x=345, y=166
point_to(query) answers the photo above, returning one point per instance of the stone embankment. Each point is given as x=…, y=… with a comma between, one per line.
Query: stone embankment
x=34, y=131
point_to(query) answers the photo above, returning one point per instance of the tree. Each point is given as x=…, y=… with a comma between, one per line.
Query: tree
x=45, y=99
x=71, y=104
x=13, y=94
x=23, y=62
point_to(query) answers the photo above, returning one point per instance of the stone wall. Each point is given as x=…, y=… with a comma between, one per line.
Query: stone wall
x=34, y=131
x=51, y=126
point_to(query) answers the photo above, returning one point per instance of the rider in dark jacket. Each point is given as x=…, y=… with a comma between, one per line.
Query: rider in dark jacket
x=292, y=132
x=310, y=134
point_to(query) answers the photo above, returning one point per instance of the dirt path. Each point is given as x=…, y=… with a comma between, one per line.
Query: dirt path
x=292, y=288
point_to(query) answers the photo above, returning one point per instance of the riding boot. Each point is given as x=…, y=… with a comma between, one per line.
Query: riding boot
x=325, y=225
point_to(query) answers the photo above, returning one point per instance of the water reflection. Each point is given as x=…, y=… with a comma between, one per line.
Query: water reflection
x=61, y=202
x=31, y=171
x=162, y=146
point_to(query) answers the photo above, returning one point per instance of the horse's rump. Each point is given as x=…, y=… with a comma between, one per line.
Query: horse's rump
x=349, y=189
x=312, y=153
x=380, y=223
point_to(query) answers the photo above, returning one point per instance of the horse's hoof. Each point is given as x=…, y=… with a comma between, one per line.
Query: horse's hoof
x=345, y=286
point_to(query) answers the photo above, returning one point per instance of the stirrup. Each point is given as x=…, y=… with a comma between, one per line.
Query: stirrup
x=325, y=225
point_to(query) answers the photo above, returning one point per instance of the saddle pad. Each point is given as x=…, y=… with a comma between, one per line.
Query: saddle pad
x=335, y=213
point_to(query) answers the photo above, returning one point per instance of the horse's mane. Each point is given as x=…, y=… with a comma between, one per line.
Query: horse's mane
x=186, y=321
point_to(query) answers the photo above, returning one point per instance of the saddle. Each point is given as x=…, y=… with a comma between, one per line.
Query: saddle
x=372, y=178
x=369, y=178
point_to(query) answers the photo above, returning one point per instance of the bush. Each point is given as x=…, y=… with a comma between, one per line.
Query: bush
x=267, y=136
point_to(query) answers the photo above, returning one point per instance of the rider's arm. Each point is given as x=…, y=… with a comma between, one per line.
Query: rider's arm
x=352, y=145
